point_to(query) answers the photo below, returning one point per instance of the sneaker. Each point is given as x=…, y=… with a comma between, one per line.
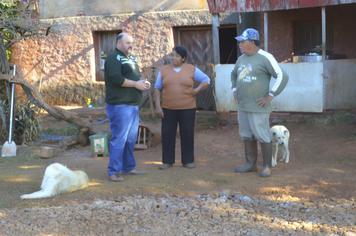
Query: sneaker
x=135, y=172
x=189, y=165
x=165, y=166
x=116, y=178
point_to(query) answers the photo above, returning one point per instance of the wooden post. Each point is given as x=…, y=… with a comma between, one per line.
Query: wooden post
x=323, y=33
x=323, y=50
x=216, y=43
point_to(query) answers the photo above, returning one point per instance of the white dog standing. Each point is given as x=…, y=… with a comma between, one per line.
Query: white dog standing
x=280, y=136
x=59, y=179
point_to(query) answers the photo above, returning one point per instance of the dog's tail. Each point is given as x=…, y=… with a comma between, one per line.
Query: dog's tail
x=38, y=194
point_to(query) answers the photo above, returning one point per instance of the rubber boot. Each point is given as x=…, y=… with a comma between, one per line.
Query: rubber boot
x=250, y=156
x=266, y=149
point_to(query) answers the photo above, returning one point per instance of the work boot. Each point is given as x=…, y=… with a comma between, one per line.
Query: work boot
x=266, y=149
x=250, y=156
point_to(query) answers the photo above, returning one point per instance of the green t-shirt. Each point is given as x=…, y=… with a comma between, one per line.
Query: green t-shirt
x=119, y=67
x=251, y=77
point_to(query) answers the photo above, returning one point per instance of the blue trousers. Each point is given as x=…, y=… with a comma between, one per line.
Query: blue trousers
x=124, y=122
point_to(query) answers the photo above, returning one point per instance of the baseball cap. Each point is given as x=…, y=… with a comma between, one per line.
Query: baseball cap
x=248, y=34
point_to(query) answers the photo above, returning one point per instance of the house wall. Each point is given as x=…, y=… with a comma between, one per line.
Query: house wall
x=280, y=29
x=268, y=5
x=341, y=19
x=339, y=75
x=62, y=64
x=340, y=84
x=54, y=9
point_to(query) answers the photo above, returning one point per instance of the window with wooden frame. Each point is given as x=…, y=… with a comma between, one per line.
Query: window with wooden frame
x=104, y=44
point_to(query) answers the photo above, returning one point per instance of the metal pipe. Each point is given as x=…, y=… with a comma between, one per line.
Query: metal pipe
x=265, y=31
x=12, y=104
x=216, y=42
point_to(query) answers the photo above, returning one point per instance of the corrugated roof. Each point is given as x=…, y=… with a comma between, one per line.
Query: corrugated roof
x=219, y=6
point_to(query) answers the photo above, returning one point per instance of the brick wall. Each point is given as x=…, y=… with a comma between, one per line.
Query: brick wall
x=340, y=18
x=281, y=30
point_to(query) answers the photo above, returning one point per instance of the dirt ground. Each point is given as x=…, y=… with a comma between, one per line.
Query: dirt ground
x=321, y=169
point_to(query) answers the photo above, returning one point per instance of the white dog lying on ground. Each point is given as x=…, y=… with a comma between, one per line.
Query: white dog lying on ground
x=59, y=179
x=280, y=136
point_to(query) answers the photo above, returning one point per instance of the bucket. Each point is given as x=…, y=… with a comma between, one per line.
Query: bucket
x=99, y=144
x=47, y=152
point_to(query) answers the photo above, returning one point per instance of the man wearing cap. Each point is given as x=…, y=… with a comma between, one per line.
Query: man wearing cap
x=250, y=80
x=123, y=86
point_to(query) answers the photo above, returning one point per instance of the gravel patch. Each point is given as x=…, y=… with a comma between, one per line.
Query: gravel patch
x=220, y=214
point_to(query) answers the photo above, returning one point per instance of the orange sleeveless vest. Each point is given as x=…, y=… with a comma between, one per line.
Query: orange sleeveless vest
x=177, y=87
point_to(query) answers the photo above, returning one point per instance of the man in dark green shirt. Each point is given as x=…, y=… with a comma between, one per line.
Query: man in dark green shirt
x=124, y=86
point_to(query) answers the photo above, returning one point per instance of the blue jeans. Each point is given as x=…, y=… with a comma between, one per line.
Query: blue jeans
x=124, y=122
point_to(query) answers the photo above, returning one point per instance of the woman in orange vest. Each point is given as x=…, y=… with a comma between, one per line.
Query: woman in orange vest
x=175, y=87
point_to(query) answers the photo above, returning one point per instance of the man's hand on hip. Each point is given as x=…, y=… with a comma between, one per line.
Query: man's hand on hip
x=264, y=101
x=234, y=93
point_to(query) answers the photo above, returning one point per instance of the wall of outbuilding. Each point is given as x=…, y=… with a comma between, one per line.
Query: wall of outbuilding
x=62, y=64
x=54, y=9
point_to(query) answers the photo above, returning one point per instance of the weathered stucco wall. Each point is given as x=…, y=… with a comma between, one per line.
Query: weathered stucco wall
x=54, y=9
x=62, y=64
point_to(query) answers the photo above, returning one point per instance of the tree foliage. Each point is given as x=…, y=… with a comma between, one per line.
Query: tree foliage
x=18, y=20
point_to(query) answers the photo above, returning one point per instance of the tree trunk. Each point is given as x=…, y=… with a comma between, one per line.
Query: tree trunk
x=36, y=98
x=4, y=69
x=4, y=64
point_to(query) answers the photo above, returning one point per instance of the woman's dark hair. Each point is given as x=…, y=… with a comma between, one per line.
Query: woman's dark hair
x=181, y=51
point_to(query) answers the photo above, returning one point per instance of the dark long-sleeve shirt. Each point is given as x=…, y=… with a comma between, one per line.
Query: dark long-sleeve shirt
x=119, y=67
